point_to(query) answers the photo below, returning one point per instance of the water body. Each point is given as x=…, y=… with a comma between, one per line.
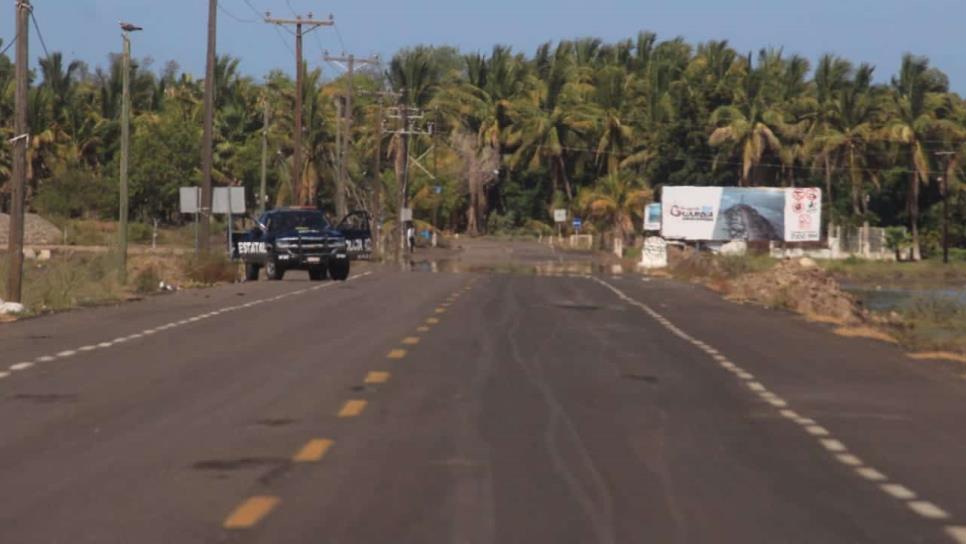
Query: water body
x=888, y=299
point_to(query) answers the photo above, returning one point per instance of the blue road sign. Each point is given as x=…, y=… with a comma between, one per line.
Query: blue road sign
x=577, y=223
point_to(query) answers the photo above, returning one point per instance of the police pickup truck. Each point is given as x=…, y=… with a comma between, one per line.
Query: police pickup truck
x=302, y=239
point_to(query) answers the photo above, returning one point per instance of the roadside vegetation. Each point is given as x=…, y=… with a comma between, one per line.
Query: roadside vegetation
x=931, y=273
x=80, y=279
x=927, y=319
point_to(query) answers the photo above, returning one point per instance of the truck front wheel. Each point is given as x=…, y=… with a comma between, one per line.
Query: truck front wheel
x=251, y=272
x=273, y=270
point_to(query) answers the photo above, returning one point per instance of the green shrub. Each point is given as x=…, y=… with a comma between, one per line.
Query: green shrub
x=139, y=233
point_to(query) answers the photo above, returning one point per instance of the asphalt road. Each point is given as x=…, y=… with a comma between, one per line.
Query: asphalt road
x=514, y=395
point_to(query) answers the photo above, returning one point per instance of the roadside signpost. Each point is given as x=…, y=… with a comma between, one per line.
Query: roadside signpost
x=188, y=199
x=577, y=223
x=228, y=201
x=560, y=217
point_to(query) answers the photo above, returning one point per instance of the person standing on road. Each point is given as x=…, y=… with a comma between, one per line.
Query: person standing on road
x=411, y=237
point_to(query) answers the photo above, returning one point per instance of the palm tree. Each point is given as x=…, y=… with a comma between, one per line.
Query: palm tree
x=748, y=126
x=552, y=113
x=914, y=115
x=848, y=112
x=617, y=200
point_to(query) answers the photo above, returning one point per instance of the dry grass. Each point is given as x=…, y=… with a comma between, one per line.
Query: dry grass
x=864, y=331
x=938, y=356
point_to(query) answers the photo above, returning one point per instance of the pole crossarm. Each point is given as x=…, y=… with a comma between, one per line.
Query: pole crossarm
x=309, y=22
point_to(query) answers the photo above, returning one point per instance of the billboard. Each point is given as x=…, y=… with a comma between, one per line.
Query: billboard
x=741, y=213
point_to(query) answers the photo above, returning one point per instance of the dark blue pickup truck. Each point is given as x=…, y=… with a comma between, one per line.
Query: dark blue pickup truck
x=302, y=239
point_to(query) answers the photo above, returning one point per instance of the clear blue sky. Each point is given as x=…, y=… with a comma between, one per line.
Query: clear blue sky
x=875, y=31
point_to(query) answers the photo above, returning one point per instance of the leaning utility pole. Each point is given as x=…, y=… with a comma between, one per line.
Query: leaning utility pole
x=312, y=24
x=261, y=187
x=207, y=142
x=343, y=152
x=19, y=141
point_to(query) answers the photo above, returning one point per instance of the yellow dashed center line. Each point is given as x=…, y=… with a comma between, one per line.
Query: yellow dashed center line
x=411, y=340
x=251, y=512
x=441, y=310
x=313, y=452
x=422, y=328
x=377, y=377
x=432, y=320
x=352, y=408
x=396, y=354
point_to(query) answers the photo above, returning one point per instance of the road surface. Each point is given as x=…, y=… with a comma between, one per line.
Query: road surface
x=510, y=394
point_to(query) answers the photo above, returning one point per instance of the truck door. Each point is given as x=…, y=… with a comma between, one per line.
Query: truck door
x=358, y=235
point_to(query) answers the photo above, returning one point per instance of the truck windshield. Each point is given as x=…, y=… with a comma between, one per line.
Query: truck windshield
x=300, y=221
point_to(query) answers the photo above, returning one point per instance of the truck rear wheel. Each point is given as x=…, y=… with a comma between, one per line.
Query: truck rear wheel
x=274, y=271
x=251, y=272
x=339, y=271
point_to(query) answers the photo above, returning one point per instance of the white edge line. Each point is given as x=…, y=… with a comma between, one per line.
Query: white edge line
x=148, y=332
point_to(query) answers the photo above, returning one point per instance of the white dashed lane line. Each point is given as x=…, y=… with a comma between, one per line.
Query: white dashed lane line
x=148, y=332
x=835, y=447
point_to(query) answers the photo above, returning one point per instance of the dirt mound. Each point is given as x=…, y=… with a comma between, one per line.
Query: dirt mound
x=800, y=286
x=37, y=231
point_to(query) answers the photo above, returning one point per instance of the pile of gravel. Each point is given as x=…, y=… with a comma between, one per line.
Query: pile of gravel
x=38, y=231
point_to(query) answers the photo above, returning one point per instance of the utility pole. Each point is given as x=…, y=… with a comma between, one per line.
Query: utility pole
x=19, y=141
x=208, y=132
x=304, y=197
x=340, y=186
x=944, y=157
x=408, y=118
x=339, y=106
x=376, y=179
x=125, y=151
x=261, y=188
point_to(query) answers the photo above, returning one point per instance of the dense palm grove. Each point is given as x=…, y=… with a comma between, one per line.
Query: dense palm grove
x=504, y=138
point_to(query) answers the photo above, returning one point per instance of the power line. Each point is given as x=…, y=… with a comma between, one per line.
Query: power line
x=284, y=42
x=224, y=10
x=9, y=45
x=339, y=35
x=39, y=34
x=257, y=13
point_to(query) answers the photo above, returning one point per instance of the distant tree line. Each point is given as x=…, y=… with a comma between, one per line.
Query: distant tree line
x=586, y=125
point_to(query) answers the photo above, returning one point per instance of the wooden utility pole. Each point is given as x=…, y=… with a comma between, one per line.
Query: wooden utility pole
x=262, y=184
x=19, y=141
x=339, y=106
x=125, y=156
x=302, y=197
x=208, y=131
x=347, y=117
x=945, y=157
x=408, y=118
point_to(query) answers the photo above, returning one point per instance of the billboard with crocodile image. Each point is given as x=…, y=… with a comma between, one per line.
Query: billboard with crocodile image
x=741, y=213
